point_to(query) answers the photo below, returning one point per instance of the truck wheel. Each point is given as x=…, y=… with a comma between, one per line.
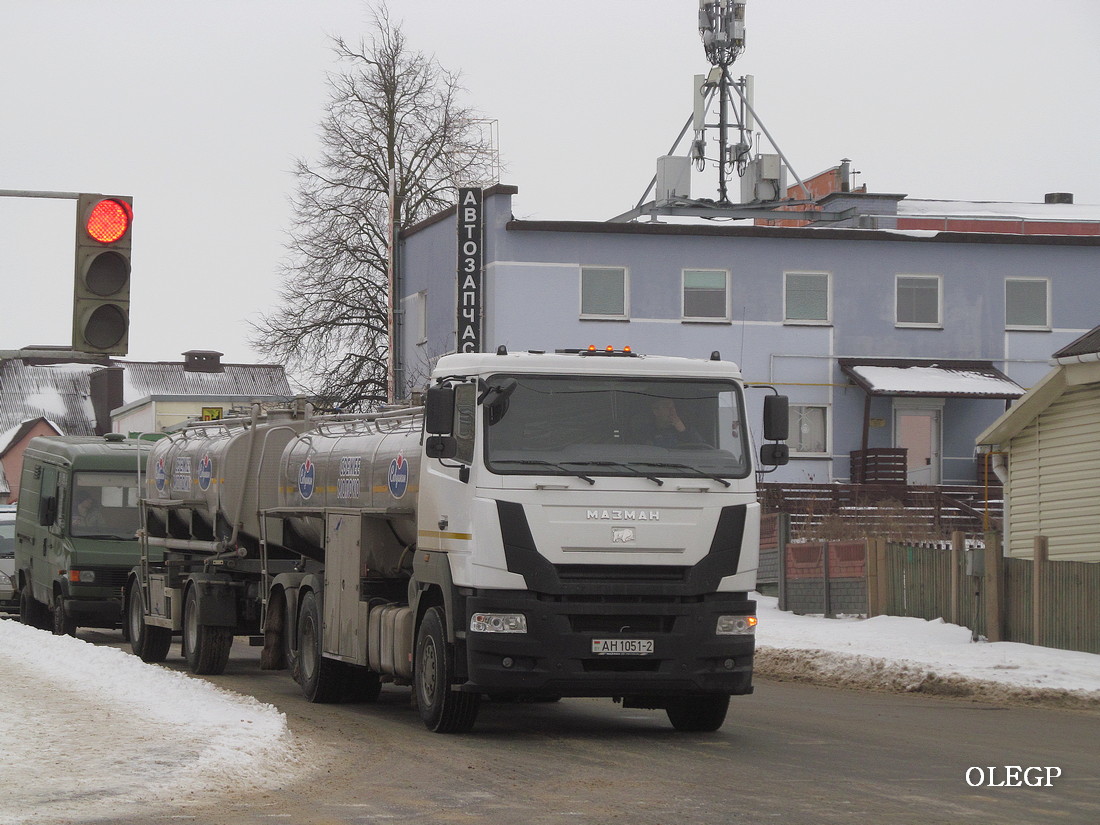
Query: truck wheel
x=149, y=643
x=442, y=709
x=61, y=624
x=322, y=679
x=698, y=713
x=205, y=647
x=31, y=613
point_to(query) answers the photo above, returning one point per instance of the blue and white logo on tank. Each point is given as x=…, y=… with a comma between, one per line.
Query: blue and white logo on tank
x=307, y=477
x=398, y=479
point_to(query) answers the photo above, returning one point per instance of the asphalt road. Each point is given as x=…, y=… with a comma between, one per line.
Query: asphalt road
x=791, y=753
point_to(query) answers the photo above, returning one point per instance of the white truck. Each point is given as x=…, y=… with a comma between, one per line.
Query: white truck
x=579, y=523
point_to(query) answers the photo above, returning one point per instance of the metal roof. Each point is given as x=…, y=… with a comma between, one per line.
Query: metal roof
x=930, y=379
x=1087, y=344
x=56, y=392
x=60, y=392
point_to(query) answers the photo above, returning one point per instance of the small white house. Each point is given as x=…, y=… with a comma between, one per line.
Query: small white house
x=1046, y=448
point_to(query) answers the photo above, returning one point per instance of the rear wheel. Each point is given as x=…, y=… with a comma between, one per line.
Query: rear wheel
x=149, y=643
x=32, y=613
x=322, y=680
x=205, y=647
x=442, y=709
x=698, y=713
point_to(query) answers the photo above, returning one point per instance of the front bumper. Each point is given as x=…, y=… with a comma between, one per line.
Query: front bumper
x=555, y=656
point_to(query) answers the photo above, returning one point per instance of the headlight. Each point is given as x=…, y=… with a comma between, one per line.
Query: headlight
x=82, y=576
x=736, y=625
x=498, y=623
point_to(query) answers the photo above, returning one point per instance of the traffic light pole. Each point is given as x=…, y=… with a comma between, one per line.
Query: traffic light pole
x=30, y=193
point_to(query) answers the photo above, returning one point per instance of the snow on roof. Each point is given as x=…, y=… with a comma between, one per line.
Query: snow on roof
x=1061, y=212
x=969, y=379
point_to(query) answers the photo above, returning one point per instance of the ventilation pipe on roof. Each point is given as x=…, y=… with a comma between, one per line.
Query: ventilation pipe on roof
x=1058, y=197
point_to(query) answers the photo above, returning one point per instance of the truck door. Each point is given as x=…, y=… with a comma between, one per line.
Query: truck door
x=46, y=555
x=343, y=636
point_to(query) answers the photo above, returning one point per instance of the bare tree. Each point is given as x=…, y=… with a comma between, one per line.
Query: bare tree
x=390, y=108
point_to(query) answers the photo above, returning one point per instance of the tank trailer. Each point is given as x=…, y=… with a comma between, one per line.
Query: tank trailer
x=578, y=523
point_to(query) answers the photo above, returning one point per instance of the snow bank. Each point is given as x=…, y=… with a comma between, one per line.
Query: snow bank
x=94, y=731
x=901, y=654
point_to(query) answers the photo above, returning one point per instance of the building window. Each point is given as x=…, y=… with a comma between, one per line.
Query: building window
x=705, y=294
x=603, y=292
x=918, y=300
x=806, y=297
x=1027, y=303
x=809, y=433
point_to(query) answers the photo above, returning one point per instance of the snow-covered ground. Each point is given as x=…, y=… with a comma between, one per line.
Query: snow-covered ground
x=92, y=730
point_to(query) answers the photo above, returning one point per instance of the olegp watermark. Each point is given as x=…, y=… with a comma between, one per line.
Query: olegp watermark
x=1012, y=776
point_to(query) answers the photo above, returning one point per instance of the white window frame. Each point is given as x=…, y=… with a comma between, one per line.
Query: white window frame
x=828, y=320
x=828, y=451
x=703, y=319
x=938, y=324
x=1045, y=326
x=591, y=316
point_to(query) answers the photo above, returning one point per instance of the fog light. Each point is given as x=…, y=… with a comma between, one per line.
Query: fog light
x=507, y=661
x=498, y=623
x=736, y=625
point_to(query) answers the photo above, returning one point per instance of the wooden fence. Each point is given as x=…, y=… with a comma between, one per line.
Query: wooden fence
x=1036, y=601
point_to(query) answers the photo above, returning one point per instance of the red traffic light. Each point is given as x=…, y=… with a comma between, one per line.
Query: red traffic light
x=108, y=221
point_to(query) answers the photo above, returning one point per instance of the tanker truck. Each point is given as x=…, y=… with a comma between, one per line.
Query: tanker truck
x=576, y=523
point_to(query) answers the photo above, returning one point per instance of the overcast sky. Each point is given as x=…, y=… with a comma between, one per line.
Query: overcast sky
x=198, y=109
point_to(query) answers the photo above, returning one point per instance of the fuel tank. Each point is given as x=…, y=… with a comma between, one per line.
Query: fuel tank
x=371, y=464
x=222, y=473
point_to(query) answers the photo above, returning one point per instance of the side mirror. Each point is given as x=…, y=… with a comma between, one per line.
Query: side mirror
x=47, y=511
x=775, y=455
x=441, y=446
x=439, y=411
x=776, y=418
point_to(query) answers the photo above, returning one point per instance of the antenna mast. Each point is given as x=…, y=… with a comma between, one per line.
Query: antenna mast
x=722, y=29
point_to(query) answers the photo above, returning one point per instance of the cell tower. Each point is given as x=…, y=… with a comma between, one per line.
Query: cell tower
x=763, y=178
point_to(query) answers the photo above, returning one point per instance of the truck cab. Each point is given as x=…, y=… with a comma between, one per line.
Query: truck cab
x=75, y=531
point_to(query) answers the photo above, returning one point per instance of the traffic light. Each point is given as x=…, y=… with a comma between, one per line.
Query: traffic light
x=101, y=286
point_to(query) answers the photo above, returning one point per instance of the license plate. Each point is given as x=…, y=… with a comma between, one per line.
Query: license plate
x=622, y=647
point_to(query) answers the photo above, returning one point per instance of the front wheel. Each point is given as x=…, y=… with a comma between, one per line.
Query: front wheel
x=698, y=713
x=62, y=624
x=205, y=647
x=442, y=709
x=149, y=643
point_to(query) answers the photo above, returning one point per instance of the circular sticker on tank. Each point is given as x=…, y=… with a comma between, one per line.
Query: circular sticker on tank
x=160, y=477
x=206, y=472
x=307, y=475
x=399, y=476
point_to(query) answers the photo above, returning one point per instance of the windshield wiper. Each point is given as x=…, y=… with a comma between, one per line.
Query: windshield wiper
x=633, y=470
x=695, y=470
x=541, y=463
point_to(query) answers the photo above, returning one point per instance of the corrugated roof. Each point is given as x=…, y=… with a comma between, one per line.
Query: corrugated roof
x=1087, y=344
x=56, y=392
x=143, y=378
x=930, y=379
x=60, y=392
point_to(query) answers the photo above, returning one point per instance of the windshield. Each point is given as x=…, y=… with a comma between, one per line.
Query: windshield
x=7, y=537
x=104, y=505
x=593, y=426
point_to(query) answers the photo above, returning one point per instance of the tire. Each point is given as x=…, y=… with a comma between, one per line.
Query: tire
x=698, y=713
x=205, y=647
x=442, y=709
x=275, y=648
x=31, y=613
x=323, y=680
x=60, y=624
x=149, y=643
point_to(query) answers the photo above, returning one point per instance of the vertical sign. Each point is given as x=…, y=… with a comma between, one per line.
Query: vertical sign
x=470, y=243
